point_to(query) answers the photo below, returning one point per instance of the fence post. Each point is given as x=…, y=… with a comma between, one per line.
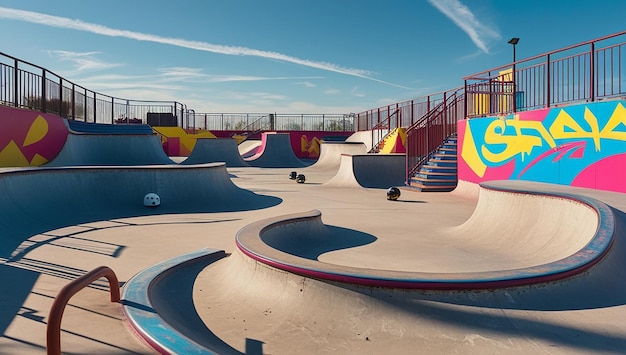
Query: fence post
x=43, y=90
x=548, y=81
x=61, y=97
x=466, y=98
x=73, y=101
x=16, y=87
x=592, y=77
x=95, y=111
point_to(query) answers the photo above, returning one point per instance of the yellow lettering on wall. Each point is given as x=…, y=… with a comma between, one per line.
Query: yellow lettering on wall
x=566, y=127
x=518, y=143
x=523, y=136
x=617, y=118
x=470, y=154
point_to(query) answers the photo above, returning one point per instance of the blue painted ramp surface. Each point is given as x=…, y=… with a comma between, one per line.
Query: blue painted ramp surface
x=111, y=149
x=211, y=150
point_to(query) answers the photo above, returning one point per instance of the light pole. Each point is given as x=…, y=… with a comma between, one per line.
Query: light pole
x=513, y=41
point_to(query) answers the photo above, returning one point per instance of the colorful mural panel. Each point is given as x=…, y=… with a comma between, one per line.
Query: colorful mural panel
x=394, y=142
x=29, y=138
x=582, y=145
x=177, y=142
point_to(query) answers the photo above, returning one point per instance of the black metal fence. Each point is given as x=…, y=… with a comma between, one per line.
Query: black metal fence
x=29, y=86
x=271, y=122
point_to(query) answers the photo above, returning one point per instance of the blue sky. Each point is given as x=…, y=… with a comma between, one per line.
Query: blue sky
x=289, y=56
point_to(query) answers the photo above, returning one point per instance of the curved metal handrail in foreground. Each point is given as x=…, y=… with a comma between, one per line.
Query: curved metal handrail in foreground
x=53, y=330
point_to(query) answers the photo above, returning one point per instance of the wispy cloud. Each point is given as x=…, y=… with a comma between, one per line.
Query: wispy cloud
x=83, y=61
x=463, y=17
x=306, y=84
x=355, y=92
x=197, y=75
x=63, y=22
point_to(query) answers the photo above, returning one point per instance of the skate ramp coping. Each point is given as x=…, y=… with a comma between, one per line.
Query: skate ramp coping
x=331, y=151
x=568, y=234
x=111, y=150
x=159, y=307
x=275, y=152
x=211, y=150
x=379, y=171
x=106, y=128
x=369, y=138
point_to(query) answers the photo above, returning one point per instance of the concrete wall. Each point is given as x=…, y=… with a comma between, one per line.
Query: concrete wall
x=582, y=145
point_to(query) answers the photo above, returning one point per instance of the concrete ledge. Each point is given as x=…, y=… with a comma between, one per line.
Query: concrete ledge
x=154, y=323
x=250, y=241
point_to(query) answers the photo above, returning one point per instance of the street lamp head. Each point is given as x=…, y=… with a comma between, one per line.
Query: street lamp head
x=513, y=41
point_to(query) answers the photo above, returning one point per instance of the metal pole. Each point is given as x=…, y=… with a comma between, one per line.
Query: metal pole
x=514, y=84
x=15, y=83
x=73, y=102
x=43, y=91
x=592, y=77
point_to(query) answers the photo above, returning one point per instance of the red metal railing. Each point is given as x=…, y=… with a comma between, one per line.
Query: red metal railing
x=585, y=72
x=406, y=112
x=426, y=135
x=53, y=329
x=382, y=129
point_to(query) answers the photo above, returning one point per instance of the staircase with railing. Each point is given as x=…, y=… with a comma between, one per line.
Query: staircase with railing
x=381, y=131
x=439, y=173
x=431, y=145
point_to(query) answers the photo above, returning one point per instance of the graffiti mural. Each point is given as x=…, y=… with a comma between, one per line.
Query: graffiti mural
x=582, y=145
x=29, y=138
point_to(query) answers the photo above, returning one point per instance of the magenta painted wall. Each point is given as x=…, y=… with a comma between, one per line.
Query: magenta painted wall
x=305, y=144
x=581, y=145
x=29, y=138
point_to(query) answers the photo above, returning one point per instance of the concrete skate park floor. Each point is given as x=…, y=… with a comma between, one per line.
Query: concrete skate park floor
x=401, y=240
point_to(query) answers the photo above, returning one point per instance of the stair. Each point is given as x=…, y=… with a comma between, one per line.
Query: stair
x=439, y=174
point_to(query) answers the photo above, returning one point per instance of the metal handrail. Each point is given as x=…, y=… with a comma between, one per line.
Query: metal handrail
x=427, y=133
x=381, y=126
x=251, y=126
x=53, y=330
x=585, y=72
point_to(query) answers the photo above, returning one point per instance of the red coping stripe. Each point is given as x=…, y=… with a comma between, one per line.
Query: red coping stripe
x=589, y=255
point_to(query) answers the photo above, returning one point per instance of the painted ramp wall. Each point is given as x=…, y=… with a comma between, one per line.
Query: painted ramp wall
x=581, y=145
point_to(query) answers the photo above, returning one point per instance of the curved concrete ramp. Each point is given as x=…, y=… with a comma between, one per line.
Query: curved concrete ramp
x=492, y=251
x=111, y=149
x=171, y=327
x=248, y=147
x=330, y=154
x=82, y=194
x=211, y=150
x=275, y=152
x=369, y=138
x=280, y=282
x=370, y=171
